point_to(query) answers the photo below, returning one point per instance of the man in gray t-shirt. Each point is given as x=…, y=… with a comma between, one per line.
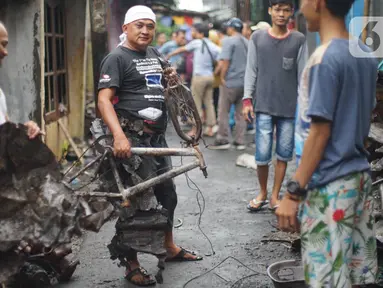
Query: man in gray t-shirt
x=233, y=59
x=275, y=61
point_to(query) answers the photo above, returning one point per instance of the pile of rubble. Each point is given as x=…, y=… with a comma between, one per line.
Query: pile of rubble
x=35, y=206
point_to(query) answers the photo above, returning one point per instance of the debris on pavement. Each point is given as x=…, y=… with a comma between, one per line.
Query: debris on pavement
x=35, y=206
x=247, y=161
x=293, y=239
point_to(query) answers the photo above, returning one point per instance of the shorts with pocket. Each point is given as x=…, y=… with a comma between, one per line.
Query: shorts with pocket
x=264, y=138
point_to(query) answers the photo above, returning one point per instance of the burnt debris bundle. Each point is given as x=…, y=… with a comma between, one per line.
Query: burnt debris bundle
x=35, y=206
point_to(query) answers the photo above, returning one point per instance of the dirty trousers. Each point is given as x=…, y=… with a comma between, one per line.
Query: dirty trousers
x=141, y=227
x=227, y=97
x=151, y=167
x=146, y=167
x=202, y=90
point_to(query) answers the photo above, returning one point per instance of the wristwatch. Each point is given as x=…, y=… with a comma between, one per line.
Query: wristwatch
x=294, y=188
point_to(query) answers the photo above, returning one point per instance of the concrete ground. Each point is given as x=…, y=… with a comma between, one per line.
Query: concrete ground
x=234, y=233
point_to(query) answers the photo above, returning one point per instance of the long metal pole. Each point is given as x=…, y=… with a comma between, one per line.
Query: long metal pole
x=139, y=188
x=159, y=179
x=164, y=151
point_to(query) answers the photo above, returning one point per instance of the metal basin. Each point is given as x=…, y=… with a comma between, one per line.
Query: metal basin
x=287, y=274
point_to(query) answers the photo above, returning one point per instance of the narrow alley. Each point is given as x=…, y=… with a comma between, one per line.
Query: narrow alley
x=232, y=230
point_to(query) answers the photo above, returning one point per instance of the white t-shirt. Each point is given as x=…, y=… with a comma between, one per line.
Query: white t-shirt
x=3, y=108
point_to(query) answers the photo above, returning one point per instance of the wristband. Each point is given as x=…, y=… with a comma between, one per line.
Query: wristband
x=247, y=102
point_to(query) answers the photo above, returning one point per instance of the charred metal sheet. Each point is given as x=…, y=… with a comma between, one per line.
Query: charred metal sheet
x=35, y=205
x=141, y=187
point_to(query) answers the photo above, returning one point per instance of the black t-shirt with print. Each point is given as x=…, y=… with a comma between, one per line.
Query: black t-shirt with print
x=138, y=79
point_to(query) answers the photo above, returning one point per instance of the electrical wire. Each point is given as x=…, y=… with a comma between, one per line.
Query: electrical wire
x=219, y=264
x=243, y=278
x=201, y=207
x=202, y=210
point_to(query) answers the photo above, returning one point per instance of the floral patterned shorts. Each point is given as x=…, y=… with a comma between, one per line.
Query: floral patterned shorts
x=338, y=234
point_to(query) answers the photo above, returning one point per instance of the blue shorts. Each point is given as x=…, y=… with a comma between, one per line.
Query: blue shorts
x=264, y=138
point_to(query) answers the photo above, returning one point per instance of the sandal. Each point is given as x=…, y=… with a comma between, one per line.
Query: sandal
x=147, y=281
x=180, y=257
x=274, y=208
x=209, y=132
x=257, y=203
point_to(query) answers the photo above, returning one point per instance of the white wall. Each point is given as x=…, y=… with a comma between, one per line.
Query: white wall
x=20, y=75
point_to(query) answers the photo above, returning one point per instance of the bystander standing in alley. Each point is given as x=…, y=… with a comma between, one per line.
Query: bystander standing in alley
x=172, y=45
x=332, y=184
x=214, y=37
x=275, y=61
x=204, y=62
x=233, y=60
x=247, y=31
x=160, y=40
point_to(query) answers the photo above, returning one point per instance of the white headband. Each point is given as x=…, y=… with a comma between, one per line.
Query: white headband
x=135, y=13
x=139, y=12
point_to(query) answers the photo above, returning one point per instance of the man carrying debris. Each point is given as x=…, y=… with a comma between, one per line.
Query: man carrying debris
x=332, y=184
x=134, y=73
x=33, y=128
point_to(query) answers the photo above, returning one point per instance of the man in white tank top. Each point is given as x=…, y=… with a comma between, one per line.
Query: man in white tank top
x=33, y=128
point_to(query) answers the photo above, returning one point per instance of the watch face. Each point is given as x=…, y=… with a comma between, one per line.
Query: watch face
x=293, y=187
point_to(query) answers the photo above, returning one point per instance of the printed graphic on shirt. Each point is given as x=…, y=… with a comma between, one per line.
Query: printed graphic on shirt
x=154, y=80
x=138, y=79
x=148, y=65
x=152, y=69
x=156, y=98
x=105, y=78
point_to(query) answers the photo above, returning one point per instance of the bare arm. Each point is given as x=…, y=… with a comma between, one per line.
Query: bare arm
x=108, y=114
x=105, y=98
x=218, y=69
x=224, y=68
x=176, y=52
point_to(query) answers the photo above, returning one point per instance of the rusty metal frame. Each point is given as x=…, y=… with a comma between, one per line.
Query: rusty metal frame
x=144, y=186
x=55, y=114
